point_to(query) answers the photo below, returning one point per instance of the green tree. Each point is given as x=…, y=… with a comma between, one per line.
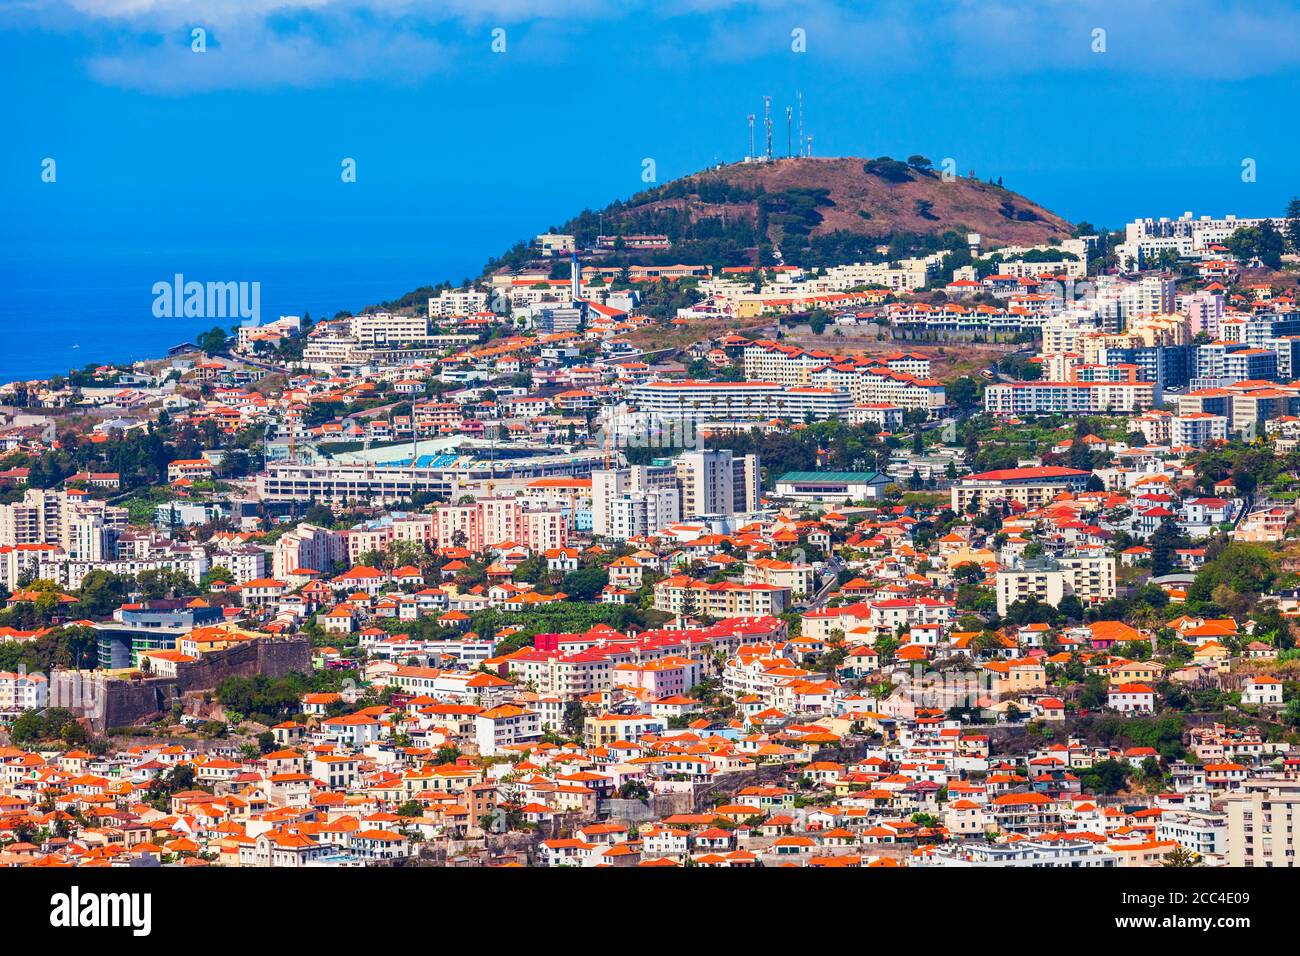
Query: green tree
x=573, y=720
x=1106, y=776
x=1167, y=539
x=585, y=584
x=1263, y=242
x=214, y=574
x=212, y=341
x=102, y=592
x=1245, y=569
x=1292, y=229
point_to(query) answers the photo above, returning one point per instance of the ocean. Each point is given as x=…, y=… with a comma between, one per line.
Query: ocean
x=65, y=310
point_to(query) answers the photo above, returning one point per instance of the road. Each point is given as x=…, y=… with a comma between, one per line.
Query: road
x=834, y=566
x=1247, y=506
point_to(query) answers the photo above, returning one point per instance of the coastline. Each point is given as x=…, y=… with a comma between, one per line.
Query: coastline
x=65, y=312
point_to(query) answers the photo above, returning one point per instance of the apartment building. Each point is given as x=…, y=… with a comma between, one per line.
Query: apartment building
x=457, y=302
x=388, y=328
x=605, y=729
x=716, y=482
x=307, y=547
x=379, y=533
x=1263, y=823
x=1225, y=363
x=875, y=385
x=679, y=594
x=1068, y=398
x=1199, y=232
x=1197, y=429
x=1201, y=832
x=756, y=401
x=1032, y=487
x=1075, y=268
x=642, y=499
x=490, y=521
x=337, y=482
x=1204, y=311
x=633, y=514
x=1155, y=425
x=635, y=501
x=796, y=578
x=37, y=519
x=83, y=527
x=20, y=691
x=505, y=726
x=766, y=360
x=1090, y=578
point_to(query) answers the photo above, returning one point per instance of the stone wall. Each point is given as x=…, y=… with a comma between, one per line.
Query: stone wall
x=119, y=703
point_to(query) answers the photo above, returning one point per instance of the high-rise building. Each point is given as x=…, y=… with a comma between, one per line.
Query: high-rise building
x=89, y=538
x=1204, y=311
x=48, y=517
x=705, y=478
x=626, y=502
x=307, y=547
x=1263, y=823
x=490, y=521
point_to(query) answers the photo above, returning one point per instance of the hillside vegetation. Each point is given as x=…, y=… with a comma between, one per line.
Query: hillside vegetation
x=810, y=211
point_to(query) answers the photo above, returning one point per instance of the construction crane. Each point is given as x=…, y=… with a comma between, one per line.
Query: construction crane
x=611, y=425
x=292, y=418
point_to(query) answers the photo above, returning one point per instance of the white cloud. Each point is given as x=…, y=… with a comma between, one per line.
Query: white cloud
x=143, y=44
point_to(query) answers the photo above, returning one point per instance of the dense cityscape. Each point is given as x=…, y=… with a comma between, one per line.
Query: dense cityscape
x=678, y=542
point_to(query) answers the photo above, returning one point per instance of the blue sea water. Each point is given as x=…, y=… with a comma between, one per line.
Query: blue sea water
x=68, y=308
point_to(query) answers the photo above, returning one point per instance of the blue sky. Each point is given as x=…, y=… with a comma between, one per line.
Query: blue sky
x=461, y=151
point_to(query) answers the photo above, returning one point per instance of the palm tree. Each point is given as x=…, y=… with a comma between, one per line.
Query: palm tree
x=1181, y=856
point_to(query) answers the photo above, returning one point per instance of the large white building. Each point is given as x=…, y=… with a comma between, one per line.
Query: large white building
x=874, y=385
x=643, y=499
x=716, y=482
x=1056, y=398
x=306, y=547
x=1197, y=429
x=626, y=502
x=1090, y=578
x=83, y=529
x=336, y=482
x=1186, y=235
x=21, y=691
x=1263, y=823
x=457, y=302
x=385, y=328
x=739, y=401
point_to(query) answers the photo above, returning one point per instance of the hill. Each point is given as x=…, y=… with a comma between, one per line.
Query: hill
x=805, y=211
x=821, y=211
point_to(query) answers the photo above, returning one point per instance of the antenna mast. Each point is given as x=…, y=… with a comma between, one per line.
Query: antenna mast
x=800, y=96
x=767, y=122
x=751, y=137
x=789, y=143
